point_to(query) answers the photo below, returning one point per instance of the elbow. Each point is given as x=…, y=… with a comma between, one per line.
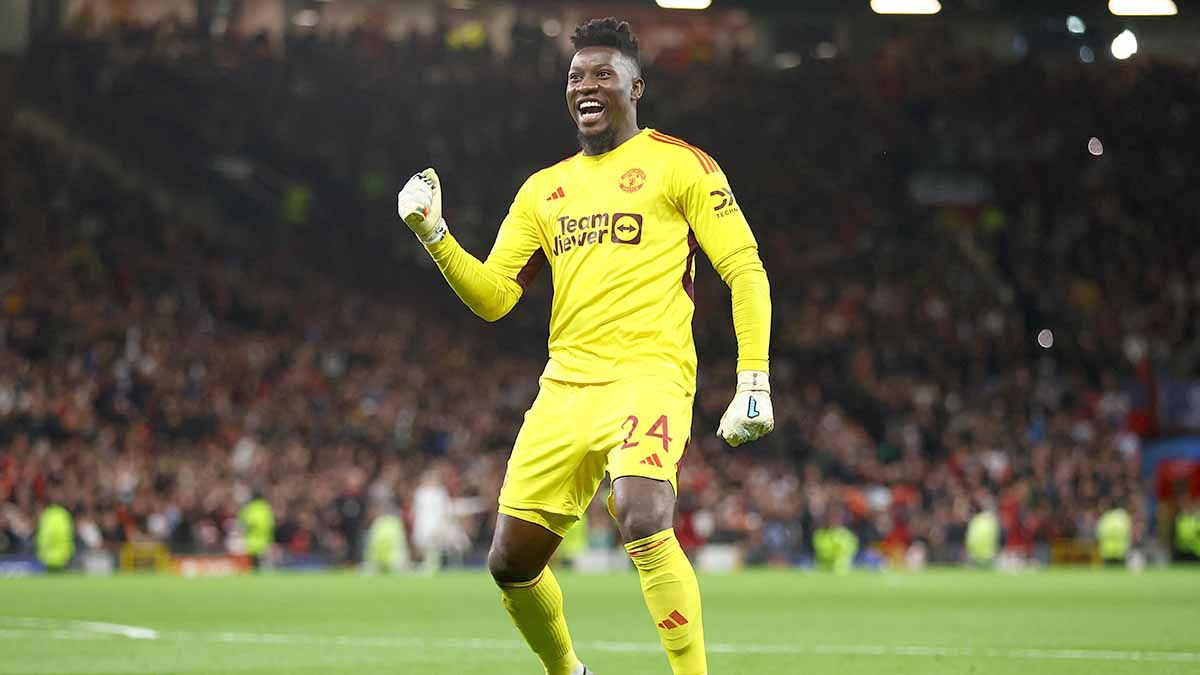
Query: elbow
x=490, y=307
x=744, y=263
x=752, y=272
x=493, y=313
x=490, y=315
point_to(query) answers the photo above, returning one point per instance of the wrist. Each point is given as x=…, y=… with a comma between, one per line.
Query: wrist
x=752, y=363
x=753, y=380
x=435, y=235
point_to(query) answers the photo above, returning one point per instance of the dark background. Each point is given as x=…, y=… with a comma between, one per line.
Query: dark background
x=207, y=293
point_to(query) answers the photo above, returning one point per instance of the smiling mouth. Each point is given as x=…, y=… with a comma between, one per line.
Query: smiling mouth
x=590, y=110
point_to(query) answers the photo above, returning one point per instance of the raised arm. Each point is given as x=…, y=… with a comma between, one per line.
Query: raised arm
x=490, y=288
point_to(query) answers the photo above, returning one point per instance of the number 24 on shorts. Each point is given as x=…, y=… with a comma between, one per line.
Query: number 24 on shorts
x=658, y=430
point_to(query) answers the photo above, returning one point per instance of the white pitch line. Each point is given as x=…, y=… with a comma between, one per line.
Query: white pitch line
x=27, y=634
x=131, y=632
x=96, y=627
x=88, y=630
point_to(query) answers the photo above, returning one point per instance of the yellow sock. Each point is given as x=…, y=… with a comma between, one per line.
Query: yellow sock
x=537, y=609
x=673, y=598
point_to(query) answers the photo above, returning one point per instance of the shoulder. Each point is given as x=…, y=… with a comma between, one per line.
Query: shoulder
x=684, y=156
x=546, y=179
x=540, y=185
x=552, y=171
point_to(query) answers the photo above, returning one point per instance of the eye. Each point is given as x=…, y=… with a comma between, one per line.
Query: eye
x=574, y=77
x=604, y=74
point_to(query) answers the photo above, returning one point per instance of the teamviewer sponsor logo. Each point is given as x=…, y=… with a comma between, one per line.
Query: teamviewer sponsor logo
x=597, y=228
x=627, y=228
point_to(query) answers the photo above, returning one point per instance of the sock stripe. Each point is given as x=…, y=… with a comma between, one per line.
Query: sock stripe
x=646, y=548
x=645, y=544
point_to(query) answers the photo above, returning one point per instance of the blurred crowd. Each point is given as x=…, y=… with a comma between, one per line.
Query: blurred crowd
x=977, y=266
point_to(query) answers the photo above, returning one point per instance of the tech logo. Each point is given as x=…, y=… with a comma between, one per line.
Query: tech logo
x=633, y=180
x=627, y=228
x=725, y=203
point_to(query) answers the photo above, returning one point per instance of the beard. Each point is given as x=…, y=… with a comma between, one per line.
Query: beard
x=597, y=143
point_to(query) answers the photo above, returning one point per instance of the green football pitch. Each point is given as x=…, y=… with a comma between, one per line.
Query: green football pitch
x=757, y=623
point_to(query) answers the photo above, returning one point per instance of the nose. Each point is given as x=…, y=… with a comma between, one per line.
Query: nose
x=587, y=85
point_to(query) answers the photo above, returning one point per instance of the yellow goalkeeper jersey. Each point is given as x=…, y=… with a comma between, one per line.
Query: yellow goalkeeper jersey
x=620, y=232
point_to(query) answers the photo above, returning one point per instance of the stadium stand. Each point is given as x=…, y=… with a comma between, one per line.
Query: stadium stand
x=157, y=367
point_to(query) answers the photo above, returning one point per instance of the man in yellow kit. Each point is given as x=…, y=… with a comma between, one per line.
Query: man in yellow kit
x=620, y=224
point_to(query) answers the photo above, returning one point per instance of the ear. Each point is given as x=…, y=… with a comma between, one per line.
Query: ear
x=638, y=89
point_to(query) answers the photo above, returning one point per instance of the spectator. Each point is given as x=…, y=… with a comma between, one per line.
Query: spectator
x=157, y=365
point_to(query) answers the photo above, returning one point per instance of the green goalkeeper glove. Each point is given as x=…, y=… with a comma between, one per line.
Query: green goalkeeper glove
x=749, y=416
x=420, y=205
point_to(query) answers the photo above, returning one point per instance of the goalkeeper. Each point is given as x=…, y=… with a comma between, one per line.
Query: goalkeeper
x=620, y=224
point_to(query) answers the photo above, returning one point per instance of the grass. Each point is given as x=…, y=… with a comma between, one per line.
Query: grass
x=757, y=623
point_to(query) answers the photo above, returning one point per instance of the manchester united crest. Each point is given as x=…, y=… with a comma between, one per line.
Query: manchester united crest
x=633, y=180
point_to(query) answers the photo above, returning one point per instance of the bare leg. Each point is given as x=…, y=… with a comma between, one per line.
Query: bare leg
x=517, y=561
x=645, y=510
x=520, y=550
x=644, y=506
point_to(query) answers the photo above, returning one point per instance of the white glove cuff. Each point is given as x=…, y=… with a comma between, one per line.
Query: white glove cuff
x=436, y=235
x=753, y=380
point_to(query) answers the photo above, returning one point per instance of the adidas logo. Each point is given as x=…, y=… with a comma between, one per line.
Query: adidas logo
x=557, y=194
x=652, y=460
x=674, y=621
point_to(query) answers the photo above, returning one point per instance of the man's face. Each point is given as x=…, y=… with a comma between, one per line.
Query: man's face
x=602, y=87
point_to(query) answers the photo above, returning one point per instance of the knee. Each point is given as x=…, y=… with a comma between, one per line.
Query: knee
x=638, y=519
x=507, y=568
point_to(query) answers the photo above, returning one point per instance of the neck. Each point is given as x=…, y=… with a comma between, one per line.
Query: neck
x=607, y=140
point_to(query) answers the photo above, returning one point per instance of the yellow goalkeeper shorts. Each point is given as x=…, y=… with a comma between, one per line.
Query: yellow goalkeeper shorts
x=574, y=433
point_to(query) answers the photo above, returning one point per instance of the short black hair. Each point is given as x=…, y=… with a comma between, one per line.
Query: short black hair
x=607, y=32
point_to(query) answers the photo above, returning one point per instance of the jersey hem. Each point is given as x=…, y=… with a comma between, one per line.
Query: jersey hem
x=524, y=505
x=558, y=373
